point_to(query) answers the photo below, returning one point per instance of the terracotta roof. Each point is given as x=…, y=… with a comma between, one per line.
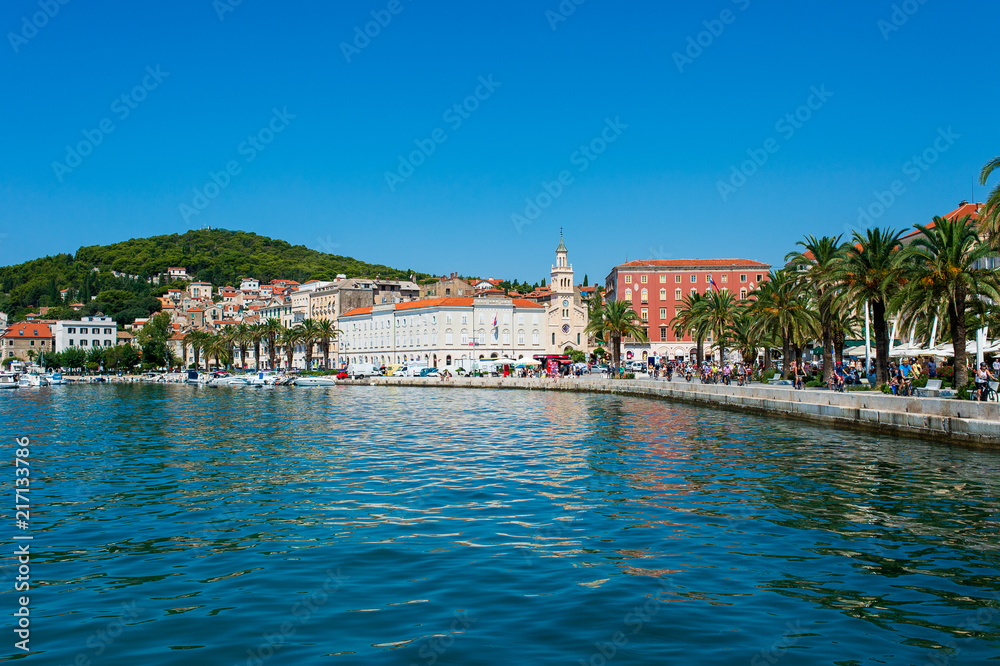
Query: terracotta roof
x=588, y=289
x=525, y=303
x=685, y=263
x=196, y=310
x=431, y=302
x=964, y=208
x=357, y=311
x=32, y=329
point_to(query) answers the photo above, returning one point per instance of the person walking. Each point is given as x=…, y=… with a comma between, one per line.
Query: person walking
x=983, y=377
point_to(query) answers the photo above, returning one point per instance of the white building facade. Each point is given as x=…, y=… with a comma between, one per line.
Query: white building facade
x=86, y=333
x=443, y=332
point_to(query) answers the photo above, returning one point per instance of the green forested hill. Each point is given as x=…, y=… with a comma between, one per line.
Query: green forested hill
x=218, y=256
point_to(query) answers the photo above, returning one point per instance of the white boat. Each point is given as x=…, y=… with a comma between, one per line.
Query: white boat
x=226, y=379
x=315, y=381
x=54, y=378
x=263, y=378
x=7, y=381
x=32, y=380
x=198, y=378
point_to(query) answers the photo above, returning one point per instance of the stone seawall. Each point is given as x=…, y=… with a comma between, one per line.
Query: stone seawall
x=940, y=419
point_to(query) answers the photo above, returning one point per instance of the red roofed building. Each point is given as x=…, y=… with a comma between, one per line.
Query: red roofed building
x=448, y=332
x=24, y=341
x=657, y=287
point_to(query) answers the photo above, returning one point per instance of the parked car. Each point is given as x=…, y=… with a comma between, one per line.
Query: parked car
x=429, y=372
x=411, y=371
x=342, y=374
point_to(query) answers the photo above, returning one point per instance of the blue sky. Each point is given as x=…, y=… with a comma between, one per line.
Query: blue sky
x=669, y=100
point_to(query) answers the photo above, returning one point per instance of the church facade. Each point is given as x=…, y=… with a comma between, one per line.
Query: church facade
x=566, y=316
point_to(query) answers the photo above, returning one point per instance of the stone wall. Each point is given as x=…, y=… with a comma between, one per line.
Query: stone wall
x=940, y=419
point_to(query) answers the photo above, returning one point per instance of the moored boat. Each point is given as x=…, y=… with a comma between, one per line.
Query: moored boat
x=314, y=381
x=8, y=381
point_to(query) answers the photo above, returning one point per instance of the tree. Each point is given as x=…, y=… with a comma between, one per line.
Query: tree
x=781, y=309
x=941, y=264
x=618, y=320
x=95, y=357
x=74, y=358
x=746, y=336
x=197, y=341
x=272, y=329
x=128, y=356
x=241, y=337
x=218, y=347
x=870, y=271
x=989, y=218
x=326, y=332
x=821, y=256
x=690, y=320
x=586, y=283
x=308, y=335
x=718, y=313
x=287, y=338
x=258, y=334
x=153, y=338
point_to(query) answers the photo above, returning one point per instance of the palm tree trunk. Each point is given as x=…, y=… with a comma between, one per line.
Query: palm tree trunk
x=798, y=357
x=956, y=313
x=881, y=330
x=616, y=343
x=838, y=345
x=827, y=354
x=785, y=353
x=326, y=354
x=697, y=350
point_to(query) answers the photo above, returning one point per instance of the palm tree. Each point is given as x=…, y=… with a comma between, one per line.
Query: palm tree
x=258, y=333
x=308, y=335
x=989, y=219
x=240, y=335
x=287, y=338
x=272, y=329
x=780, y=308
x=821, y=256
x=718, y=313
x=218, y=346
x=197, y=341
x=325, y=332
x=690, y=319
x=870, y=271
x=618, y=320
x=942, y=265
x=746, y=336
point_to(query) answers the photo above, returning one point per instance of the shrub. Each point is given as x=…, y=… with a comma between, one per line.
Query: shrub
x=768, y=374
x=814, y=383
x=629, y=375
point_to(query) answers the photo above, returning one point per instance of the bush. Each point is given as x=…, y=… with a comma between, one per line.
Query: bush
x=814, y=383
x=629, y=375
x=768, y=374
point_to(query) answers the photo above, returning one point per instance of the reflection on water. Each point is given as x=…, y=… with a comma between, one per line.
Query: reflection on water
x=395, y=525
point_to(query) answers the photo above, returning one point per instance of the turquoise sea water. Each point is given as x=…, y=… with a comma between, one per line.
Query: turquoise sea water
x=185, y=525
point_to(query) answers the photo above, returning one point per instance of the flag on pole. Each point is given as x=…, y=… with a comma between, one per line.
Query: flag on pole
x=494, y=321
x=712, y=282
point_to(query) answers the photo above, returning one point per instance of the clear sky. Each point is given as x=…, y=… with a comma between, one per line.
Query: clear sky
x=669, y=100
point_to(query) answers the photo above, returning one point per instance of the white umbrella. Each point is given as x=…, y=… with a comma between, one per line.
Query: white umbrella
x=855, y=351
x=528, y=361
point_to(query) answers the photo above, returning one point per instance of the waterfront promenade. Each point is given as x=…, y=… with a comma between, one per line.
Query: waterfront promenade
x=939, y=419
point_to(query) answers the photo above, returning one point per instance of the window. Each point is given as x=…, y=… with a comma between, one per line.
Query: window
x=663, y=313
x=694, y=278
x=107, y=343
x=663, y=278
x=447, y=319
x=760, y=278
x=506, y=318
x=743, y=277
x=743, y=293
x=520, y=337
x=465, y=319
x=71, y=343
x=482, y=318
x=534, y=320
x=506, y=337
x=32, y=343
x=448, y=338
x=725, y=278
x=677, y=278
x=663, y=294
x=694, y=290
x=663, y=333
x=482, y=338
x=643, y=279
x=465, y=337
x=447, y=291
x=534, y=337
x=83, y=343
x=644, y=314
x=628, y=294
x=677, y=294
x=71, y=330
x=520, y=319
x=628, y=279
x=708, y=278
x=645, y=295
x=577, y=338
